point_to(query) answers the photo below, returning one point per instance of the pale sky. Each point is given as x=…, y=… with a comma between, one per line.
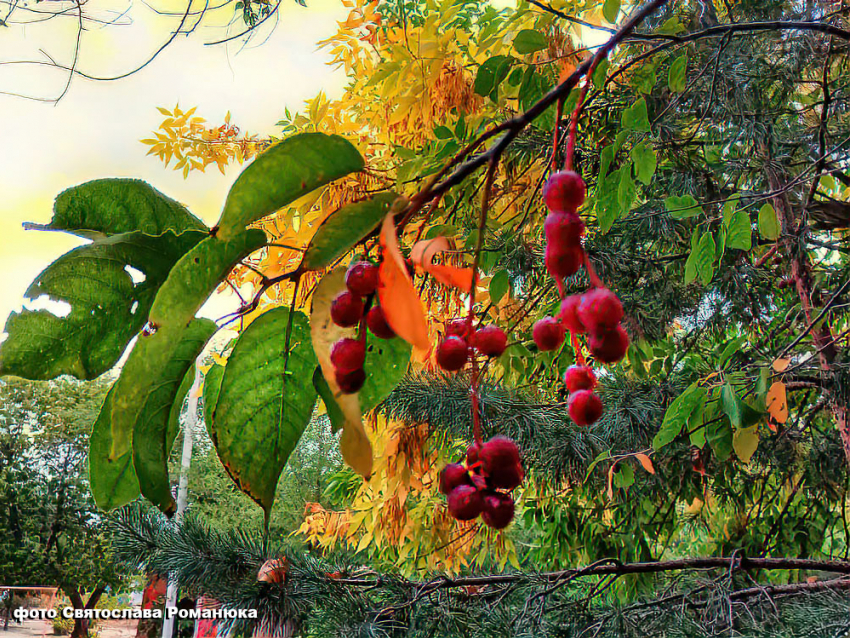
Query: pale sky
x=94, y=131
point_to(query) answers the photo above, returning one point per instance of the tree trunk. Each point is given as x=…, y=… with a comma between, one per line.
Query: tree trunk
x=81, y=625
x=791, y=244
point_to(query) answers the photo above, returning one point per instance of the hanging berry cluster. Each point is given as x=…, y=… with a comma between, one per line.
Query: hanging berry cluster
x=348, y=309
x=480, y=488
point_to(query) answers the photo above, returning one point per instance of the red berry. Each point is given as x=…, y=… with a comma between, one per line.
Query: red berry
x=563, y=261
x=377, y=322
x=361, y=278
x=459, y=327
x=348, y=355
x=490, y=340
x=346, y=309
x=452, y=353
x=350, y=382
x=609, y=346
x=498, y=510
x=584, y=407
x=548, y=333
x=569, y=314
x=472, y=453
x=564, y=191
x=453, y=474
x=465, y=502
x=600, y=310
x=563, y=229
x=579, y=378
x=500, y=461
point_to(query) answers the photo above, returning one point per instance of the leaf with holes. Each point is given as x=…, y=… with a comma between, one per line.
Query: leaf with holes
x=158, y=421
x=285, y=172
x=343, y=228
x=191, y=281
x=105, y=207
x=264, y=403
x=107, y=307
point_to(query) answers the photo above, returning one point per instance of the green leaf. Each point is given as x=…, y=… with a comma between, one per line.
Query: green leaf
x=636, y=117
x=531, y=89
x=644, y=77
x=740, y=234
x=705, y=258
x=682, y=207
x=491, y=74
x=157, y=422
x=335, y=414
x=529, y=41
x=729, y=208
x=732, y=405
x=677, y=75
x=500, y=285
x=112, y=206
x=645, y=162
x=344, y=228
x=610, y=10
x=696, y=428
x=600, y=74
x=212, y=388
x=113, y=483
x=626, y=190
x=285, y=172
x=769, y=227
x=107, y=308
x=719, y=437
x=264, y=404
x=671, y=26
x=677, y=415
x=608, y=201
x=602, y=456
x=745, y=442
x=191, y=281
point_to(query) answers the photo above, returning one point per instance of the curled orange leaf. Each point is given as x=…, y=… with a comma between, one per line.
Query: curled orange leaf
x=402, y=306
x=646, y=462
x=422, y=255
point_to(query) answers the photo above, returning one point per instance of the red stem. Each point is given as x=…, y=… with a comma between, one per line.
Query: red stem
x=571, y=140
x=577, y=347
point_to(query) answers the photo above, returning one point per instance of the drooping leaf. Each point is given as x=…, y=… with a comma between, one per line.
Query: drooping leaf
x=706, y=253
x=636, y=117
x=677, y=75
x=610, y=10
x=114, y=206
x=155, y=427
x=491, y=74
x=264, y=403
x=608, y=201
x=645, y=162
x=740, y=234
x=740, y=414
x=600, y=74
x=113, y=482
x=285, y=172
x=500, y=285
x=682, y=207
x=402, y=306
x=777, y=402
x=212, y=387
x=529, y=41
x=745, y=442
x=422, y=255
x=719, y=436
x=107, y=307
x=626, y=190
x=677, y=415
x=645, y=462
x=335, y=414
x=191, y=281
x=344, y=228
x=769, y=227
x=729, y=208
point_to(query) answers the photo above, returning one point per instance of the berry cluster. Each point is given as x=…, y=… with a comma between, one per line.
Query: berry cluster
x=454, y=350
x=596, y=313
x=473, y=489
x=348, y=309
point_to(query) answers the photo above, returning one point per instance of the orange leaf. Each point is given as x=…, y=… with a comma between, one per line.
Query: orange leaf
x=646, y=462
x=611, y=481
x=777, y=402
x=781, y=364
x=422, y=255
x=402, y=306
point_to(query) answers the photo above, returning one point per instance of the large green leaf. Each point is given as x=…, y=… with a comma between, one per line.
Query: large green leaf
x=677, y=415
x=610, y=10
x=677, y=75
x=645, y=161
x=636, y=117
x=682, y=207
x=107, y=308
x=265, y=402
x=113, y=206
x=212, y=388
x=157, y=421
x=344, y=228
x=769, y=226
x=706, y=254
x=191, y=281
x=491, y=74
x=285, y=172
x=529, y=41
x=608, y=200
x=113, y=482
x=740, y=234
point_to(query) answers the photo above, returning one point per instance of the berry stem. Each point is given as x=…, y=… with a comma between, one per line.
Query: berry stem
x=577, y=347
x=595, y=281
x=558, y=116
x=571, y=139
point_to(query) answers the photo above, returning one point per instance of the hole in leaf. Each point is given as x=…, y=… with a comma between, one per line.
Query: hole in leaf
x=136, y=275
x=55, y=307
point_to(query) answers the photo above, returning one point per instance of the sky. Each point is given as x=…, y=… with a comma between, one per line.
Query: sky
x=94, y=130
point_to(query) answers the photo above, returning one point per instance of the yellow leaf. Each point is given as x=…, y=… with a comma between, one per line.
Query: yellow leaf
x=646, y=462
x=777, y=402
x=745, y=442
